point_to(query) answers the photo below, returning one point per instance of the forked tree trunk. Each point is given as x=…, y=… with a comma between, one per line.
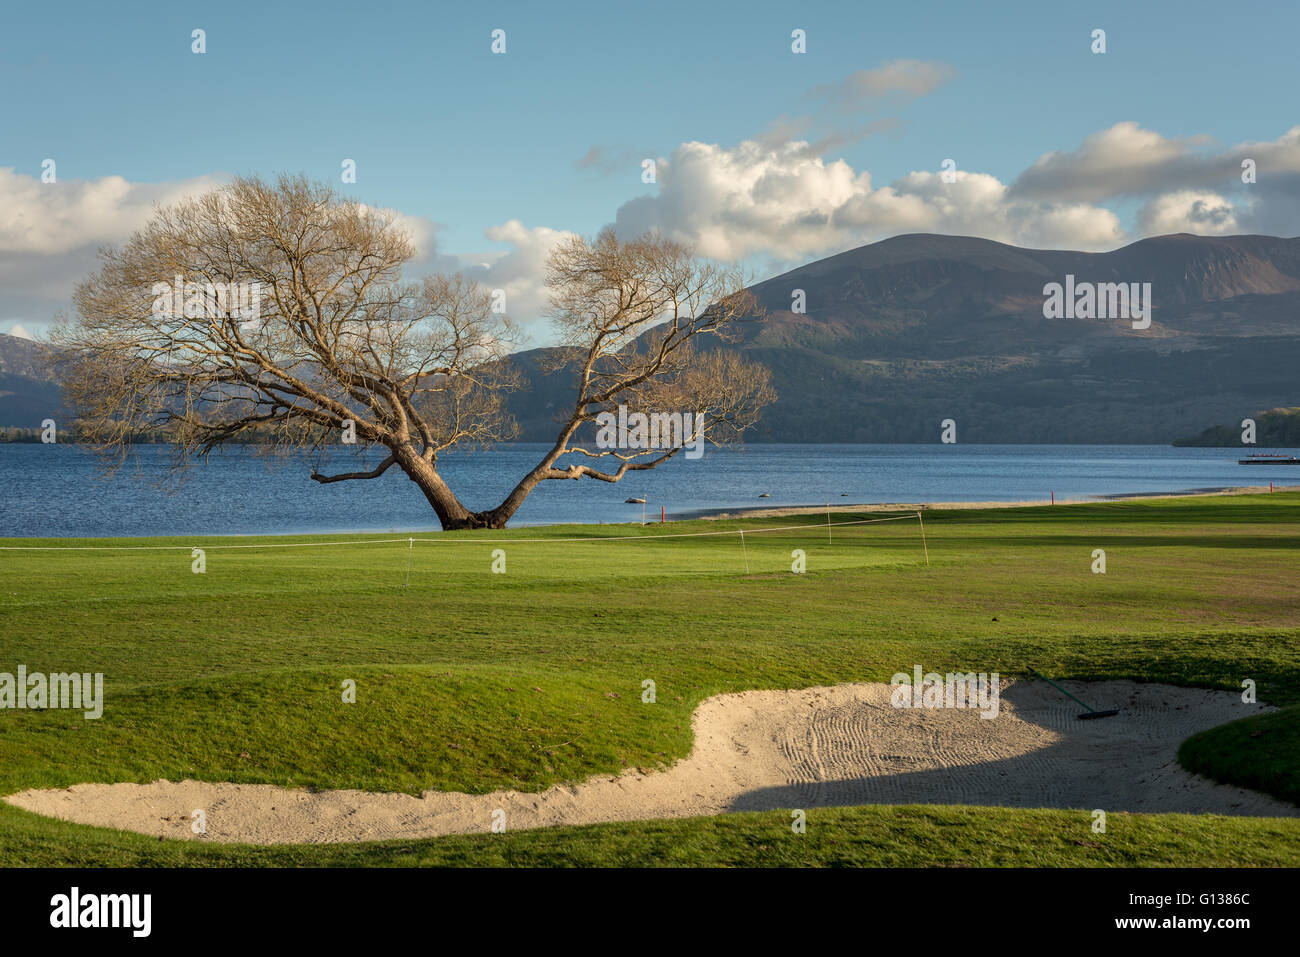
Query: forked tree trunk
x=452, y=515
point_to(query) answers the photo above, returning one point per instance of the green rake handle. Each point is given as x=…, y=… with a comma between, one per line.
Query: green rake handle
x=1060, y=689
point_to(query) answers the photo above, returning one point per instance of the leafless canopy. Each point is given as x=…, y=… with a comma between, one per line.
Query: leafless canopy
x=279, y=312
x=630, y=317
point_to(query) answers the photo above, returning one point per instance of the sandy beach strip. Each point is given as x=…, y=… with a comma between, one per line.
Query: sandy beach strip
x=777, y=511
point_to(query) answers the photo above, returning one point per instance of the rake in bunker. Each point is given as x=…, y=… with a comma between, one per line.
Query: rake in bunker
x=1090, y=713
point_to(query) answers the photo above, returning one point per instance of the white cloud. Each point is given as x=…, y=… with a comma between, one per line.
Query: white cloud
x=838, y=117
x=50, y=233
x=977, y=204
x=1122, y=159
x=730, y=203
x=1127, y=160
x=422, y=231
x=863, y=88
x=18, y=330
x=1189, y=211
x=781, y=201
x=775, y=199
x=520, y=270
x=58, y=218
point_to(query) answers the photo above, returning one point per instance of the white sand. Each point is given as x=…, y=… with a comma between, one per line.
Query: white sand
x=763, y=750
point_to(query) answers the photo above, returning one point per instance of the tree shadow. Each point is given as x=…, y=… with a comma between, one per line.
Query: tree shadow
x=1124, y=763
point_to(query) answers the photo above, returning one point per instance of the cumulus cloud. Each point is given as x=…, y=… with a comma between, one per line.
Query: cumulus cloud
x=1127, y=160
x=977, y=204
x=50, y=233
x=1188, y=211
x=1124, y=159
x=756, y=199
x=775, y=199
x=764, y=197
x=731, y=202
x=52, y=219
x=521, y=270
x=1188, y=186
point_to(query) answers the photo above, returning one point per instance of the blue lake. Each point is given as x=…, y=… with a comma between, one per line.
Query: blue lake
x=59, y=490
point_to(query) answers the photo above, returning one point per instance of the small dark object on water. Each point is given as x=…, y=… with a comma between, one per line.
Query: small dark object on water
x=1269, y=459
x=634, y=501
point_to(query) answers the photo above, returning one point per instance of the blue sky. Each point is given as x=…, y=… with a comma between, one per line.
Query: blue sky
x=465, y=141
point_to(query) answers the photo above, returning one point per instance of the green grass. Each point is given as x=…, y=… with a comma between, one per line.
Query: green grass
x=911, y=836
x=1260, y=752
x=473, y=681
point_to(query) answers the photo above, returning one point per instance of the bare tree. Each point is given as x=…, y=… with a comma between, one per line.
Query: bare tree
x=278, y=311
x=629, y=315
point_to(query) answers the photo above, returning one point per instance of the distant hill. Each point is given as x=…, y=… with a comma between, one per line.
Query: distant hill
x=1276, y=429
x=904, y=333
x=28, y=393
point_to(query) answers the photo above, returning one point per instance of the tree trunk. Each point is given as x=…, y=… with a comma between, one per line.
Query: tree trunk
x=452, y=515
x=506, y=510
x=499, y=516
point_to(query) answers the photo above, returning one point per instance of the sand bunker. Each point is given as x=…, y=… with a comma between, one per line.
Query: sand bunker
x=762, y=750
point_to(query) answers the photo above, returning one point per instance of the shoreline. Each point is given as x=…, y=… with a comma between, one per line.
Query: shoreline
x=777, y=511
x=708, y=514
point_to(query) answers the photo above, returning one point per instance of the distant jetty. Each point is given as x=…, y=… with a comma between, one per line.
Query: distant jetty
x=1270, y=460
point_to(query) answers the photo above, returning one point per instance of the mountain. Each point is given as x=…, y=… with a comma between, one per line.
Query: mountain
x=904, y=333
x=28, y=393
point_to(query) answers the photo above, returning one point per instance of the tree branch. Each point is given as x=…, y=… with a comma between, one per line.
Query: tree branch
x=379, y=470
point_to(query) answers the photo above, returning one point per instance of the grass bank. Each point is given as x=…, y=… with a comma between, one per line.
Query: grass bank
x=472, y=680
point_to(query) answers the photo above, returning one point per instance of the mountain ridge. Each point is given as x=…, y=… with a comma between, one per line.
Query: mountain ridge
x=903, y=333
x=900, y=334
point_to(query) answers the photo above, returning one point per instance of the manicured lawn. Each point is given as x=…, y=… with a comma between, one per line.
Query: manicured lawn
x=911, y=836
x=469, y=680
x=1261, y=752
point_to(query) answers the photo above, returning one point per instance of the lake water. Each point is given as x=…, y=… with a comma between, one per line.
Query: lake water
x=57, y=490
